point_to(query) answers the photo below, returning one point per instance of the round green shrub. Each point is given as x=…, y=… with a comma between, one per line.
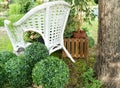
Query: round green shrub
x=35, y=52
x=2, y=80
x=5, y=56
x=50, y=73
x=17, y=72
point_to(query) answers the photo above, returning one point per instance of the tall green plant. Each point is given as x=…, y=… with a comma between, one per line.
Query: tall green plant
x=80, y=13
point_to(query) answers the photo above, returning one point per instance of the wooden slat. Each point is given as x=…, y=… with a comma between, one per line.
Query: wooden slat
x=76, y=47
x=86, y=49
x=81, y=48
x=73, y=51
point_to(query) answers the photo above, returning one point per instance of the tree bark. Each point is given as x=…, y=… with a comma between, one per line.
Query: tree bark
x=107, y=67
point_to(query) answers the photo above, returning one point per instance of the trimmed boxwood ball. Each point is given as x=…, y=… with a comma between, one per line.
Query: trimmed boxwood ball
x=35, y=52
x=50, y=73
x=1, y=77
x=17, y=72
x=4, y=57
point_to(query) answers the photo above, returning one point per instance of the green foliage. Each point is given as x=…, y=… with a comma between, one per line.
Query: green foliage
x=80, y=13
x=31, y=36
x=76, y=70
x=90, y=39
x=5, y=43
x=96, y=1
x=25, y=7
x=15, y=17
x=35, y=52
x=20, y=6
x=14, y=9
x=50, y=73
x=38, y=2
x=2, y=79
x=17, y=72
x=1, y=0
x=2, y=21
x=90, y=81
x=91, y=42
x=5, y=56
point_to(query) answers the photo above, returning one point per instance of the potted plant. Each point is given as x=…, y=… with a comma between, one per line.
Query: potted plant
x=80, y=12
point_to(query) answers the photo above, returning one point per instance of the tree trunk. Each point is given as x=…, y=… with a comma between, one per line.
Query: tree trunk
x=107, y=67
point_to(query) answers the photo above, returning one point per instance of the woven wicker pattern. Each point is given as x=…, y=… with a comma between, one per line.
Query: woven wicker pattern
x=49, y=20
x=56, y=17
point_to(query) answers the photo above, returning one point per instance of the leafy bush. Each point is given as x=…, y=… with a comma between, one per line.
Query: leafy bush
x=25, y=7
x=17, y=72
x=76, y=70
x=50, y=73
x=89, y=80
x=2, y=80
x=5, y=56
x=35, y=52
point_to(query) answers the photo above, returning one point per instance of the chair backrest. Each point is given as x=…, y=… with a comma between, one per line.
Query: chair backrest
x=48, y=19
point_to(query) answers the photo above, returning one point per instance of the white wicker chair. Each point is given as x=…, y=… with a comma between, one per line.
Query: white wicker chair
x=48, y=19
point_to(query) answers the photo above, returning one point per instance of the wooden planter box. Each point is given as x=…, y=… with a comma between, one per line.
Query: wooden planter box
x=78, y=48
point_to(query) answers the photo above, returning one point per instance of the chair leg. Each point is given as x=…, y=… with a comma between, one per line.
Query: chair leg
x=68, y=54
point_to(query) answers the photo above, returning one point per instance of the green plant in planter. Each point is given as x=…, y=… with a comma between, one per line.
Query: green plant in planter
x=35, y=52
x=50, y=73
x=17, y=72
x=80, y=13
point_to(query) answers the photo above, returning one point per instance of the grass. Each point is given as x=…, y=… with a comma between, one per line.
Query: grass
x=5, y=43
x=2, y=21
